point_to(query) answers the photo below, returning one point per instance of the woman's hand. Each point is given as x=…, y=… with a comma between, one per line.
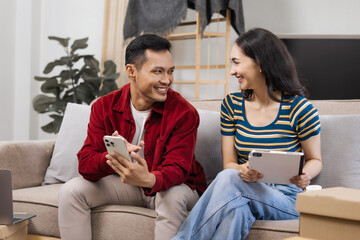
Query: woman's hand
x=301, y=181
x=313, y=163
x=249, y=175
x=230, y=161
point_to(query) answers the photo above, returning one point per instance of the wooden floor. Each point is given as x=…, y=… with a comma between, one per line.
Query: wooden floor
x=38, y=237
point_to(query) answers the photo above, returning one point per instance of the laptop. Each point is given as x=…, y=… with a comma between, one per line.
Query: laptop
x=7, y=216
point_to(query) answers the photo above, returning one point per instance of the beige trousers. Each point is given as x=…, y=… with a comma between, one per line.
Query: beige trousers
x=78, y=196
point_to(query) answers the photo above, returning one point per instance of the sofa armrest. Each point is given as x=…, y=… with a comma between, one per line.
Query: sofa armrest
x=28, y=161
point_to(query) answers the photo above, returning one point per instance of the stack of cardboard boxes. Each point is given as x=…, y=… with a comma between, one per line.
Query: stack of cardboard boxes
x=17, y=231
x=329, y=214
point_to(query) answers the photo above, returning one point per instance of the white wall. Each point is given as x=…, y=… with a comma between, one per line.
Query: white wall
x=25, y=26
x=68, y=18
x=7, y=26
x=304, y=16
x=283, y=17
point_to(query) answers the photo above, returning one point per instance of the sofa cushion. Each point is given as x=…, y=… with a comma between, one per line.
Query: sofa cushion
x=269, y=229
x=117, y=221
x=108, y=222
x=64, y=163
x=122, y=223
x=208, y=144
x=28, y=161
x=43, y=202
x=340, y=150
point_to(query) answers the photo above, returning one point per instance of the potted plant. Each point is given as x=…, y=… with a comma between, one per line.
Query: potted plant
x=75, y=83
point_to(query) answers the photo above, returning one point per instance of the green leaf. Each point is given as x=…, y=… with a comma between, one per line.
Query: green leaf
x=90, y=74
x=92, y=62
x=60, y=105
x=67, y=74
x=51, y=86
x=66, y=60
x=69, y=96
x=83, y=82
x=92, y=80
x=63, y=41
x=41, y=103
x=54, y=126
x=108, y=87
x=56, y=117
x=77, y=77
x=86, y=93
x=78, y=57
x=109, y=68
x=79, y=44
x=42, y=78
x=49, y=128
x=50, y=66
x=112, y=76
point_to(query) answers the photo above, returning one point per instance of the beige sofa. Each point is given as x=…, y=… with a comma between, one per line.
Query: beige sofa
x=29, y=161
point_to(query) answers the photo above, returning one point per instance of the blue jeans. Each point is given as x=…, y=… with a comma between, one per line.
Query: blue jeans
x=230, y=206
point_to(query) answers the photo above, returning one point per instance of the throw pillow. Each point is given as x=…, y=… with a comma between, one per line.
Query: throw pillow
x=340, y=150
x=208, y=144
x=71, y=137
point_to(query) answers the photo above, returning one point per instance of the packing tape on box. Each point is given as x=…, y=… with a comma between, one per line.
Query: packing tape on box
x=313, y=188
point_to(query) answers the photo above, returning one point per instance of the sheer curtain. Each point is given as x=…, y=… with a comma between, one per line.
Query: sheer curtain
x=113, y=42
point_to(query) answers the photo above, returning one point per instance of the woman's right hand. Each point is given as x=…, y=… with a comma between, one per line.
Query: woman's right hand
x=230, y=160
x=249, y=175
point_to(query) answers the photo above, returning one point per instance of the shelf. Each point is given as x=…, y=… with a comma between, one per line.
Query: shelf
x=198, y=35
x=192, y=35
x=194, y=22
x=181, y=36
x=201, y=67
x=207, y=82
x=214, y=34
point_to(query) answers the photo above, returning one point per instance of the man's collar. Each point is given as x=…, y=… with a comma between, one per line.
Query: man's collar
x=158, y=107
x=122, y=105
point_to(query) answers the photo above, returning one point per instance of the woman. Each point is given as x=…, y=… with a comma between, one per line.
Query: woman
x=270, y=112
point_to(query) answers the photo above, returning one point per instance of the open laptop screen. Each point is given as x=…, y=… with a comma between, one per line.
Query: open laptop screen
x=7, y=216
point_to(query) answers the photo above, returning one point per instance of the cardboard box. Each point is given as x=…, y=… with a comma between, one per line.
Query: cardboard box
x=18, y=231
x=329, y=214
x=39, y=237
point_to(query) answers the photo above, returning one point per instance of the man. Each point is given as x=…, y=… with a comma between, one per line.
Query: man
x=160, y=127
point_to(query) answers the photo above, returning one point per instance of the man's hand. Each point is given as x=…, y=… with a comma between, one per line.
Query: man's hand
x=302, y=181
x=249, y=175
x=136, y=174
x=130, y=147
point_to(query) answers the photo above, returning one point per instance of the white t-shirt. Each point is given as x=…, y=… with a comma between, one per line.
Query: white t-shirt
x=140, y=118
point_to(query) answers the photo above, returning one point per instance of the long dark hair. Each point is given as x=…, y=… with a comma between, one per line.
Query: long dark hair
x=275, y=62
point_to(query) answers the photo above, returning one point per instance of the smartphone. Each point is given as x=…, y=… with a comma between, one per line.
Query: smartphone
x=117, y=144
x=276, y=166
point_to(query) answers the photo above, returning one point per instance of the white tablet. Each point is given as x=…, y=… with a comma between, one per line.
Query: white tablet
x=276, y=166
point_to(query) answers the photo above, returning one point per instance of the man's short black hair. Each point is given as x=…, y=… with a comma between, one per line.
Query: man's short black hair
x=135, y=51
